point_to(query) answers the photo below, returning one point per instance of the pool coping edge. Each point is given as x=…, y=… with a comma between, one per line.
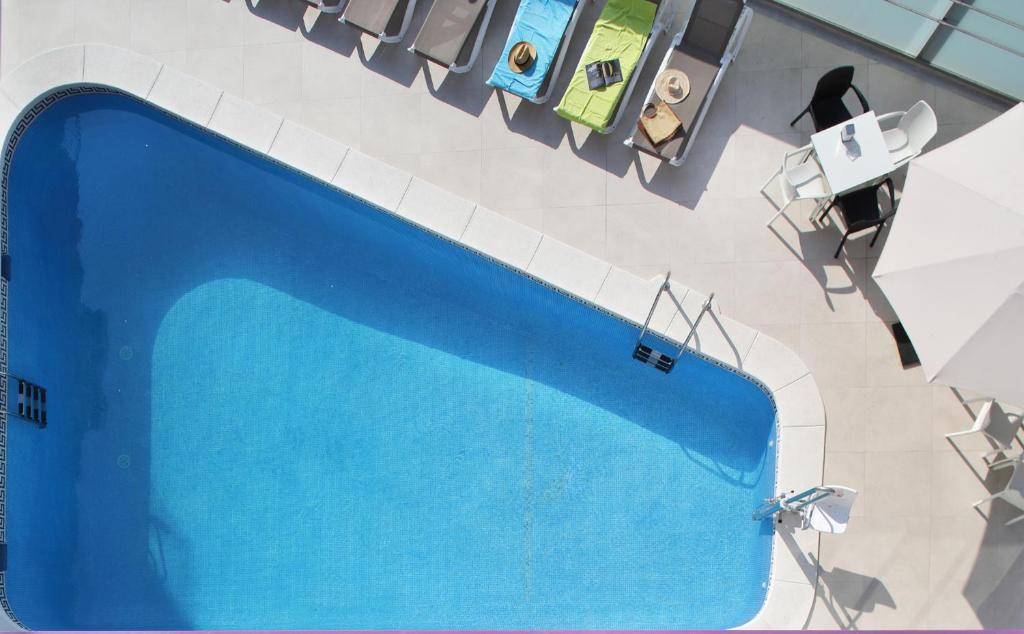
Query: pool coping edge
x=800, y=413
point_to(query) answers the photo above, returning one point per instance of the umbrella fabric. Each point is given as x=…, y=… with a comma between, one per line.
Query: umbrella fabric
x=953, y=265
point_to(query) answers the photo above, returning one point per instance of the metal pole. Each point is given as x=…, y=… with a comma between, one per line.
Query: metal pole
x=664, y=287
x=782, y=503
x=822, y=493
x=696, y=323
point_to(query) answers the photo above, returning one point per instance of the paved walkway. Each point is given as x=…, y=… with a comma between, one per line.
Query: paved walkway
x=916, y=554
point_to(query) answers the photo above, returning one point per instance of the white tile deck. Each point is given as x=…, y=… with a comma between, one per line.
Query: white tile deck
x=9, y=112
x=135, y=75
x=501, y=237
x=436, y=209
x=372, y=180
x=185, y=95
x=802, y=545
x=799, y=403
x=238, y=119
x=308, y=151
x=569, y=268
x=916, y=554
x=775, y=363
x=27, y=83
x=631, y=297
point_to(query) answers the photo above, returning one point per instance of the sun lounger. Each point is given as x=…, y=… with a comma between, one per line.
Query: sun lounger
x=386, y=20
x=548, y=25
x=626, y=31
x=447, y=29
x=703, y=50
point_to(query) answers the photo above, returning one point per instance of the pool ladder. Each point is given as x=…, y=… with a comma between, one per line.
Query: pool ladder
x=647, y=354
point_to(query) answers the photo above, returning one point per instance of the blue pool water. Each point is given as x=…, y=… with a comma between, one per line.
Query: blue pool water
x=272, y=406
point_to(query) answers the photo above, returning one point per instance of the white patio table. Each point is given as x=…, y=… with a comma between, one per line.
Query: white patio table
x=847, y=166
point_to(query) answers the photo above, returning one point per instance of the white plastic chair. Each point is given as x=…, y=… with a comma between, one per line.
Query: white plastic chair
x=1013, y=494
x=914, y=128
x=798, y=180
x=1002, y=436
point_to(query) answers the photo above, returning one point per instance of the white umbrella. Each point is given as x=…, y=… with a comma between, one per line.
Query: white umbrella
x=953, y=264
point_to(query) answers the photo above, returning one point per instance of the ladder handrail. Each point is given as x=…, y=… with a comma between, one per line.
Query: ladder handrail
x=696, y=322
x=666, y=286
x=647, y=322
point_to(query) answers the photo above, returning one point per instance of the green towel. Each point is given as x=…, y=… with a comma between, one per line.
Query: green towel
x=621, y=33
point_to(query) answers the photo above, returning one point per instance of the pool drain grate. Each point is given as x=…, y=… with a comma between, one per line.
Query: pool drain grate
x=32, y=402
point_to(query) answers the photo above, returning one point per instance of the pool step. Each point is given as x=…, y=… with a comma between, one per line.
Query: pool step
x=31, y=402
x=646, y=354
x=650, y=356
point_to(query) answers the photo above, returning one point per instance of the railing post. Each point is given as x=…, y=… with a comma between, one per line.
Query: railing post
x=696, y=322
x=647, y=322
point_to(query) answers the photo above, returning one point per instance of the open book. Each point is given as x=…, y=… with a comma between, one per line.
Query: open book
x=601, y=74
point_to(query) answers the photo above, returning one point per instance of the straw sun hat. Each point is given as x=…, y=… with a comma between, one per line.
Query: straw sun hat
x=521, y=56
x=672, y=85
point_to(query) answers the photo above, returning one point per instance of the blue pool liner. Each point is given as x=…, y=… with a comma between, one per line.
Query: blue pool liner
x=274, y=406
x=542, y=23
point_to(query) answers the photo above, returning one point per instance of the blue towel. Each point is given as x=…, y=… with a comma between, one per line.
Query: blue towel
x=542, y=23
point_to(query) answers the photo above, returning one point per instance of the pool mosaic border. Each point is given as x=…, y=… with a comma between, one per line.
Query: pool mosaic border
x=800, y=415
x=11, y=141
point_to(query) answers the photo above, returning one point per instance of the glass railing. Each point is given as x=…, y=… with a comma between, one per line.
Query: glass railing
x=980, y=41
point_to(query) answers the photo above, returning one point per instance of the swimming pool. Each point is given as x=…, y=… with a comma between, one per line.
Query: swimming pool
x=273, y=406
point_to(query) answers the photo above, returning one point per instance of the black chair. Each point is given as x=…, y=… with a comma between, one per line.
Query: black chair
x=860, y=210
x=827, y=108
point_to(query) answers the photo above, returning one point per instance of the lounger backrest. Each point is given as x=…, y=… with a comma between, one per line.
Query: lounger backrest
x=711, y=25
x=371, y=16
x=448, y=25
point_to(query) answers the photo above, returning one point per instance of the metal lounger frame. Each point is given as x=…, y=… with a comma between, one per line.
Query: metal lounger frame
x=662, y=20
x=410, y=8
x=454, y=66
x=731, y=50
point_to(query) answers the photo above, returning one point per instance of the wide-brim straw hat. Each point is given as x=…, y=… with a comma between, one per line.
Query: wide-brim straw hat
x=669, y=93
x=521, y=56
